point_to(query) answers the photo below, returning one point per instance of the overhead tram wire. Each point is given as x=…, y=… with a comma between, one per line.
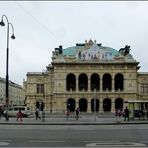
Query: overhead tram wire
x=44, y=26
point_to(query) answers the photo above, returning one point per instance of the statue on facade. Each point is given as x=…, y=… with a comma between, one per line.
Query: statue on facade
x=125, y=51
x=59, y=50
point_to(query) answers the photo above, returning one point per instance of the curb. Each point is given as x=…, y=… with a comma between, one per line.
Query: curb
x=71, y=123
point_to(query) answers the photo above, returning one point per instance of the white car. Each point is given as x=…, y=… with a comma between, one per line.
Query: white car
x=12, y=111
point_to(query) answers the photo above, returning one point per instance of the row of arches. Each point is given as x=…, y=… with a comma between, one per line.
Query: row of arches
x=95, y=104
x=94, y=82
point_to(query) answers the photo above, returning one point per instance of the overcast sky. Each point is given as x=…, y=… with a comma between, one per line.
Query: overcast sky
x=41, y=26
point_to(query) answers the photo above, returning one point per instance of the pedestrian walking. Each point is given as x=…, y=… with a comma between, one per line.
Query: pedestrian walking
x=19, y=115
x=67, y=112
x=5, y=113
x=118, y=113
x=126, y=114
x=37, y=112
x=77, y=113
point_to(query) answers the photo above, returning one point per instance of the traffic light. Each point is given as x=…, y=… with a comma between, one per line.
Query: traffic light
x=42, y=106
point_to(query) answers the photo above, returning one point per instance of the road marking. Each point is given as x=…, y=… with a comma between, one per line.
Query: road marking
x=4, y=143
x=115, y=144
x=44, y=141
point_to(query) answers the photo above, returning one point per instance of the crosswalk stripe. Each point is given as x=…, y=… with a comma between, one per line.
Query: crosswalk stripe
x=115, y=144
x=4, y=143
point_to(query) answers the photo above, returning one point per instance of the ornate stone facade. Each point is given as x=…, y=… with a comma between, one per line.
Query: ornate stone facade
x=89, y=76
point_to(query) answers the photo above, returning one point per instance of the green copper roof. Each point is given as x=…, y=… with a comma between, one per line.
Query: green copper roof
x=113, y=51
x=70, y=51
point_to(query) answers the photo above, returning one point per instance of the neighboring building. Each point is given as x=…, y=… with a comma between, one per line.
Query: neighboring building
x=84, y=75
x=16, y=93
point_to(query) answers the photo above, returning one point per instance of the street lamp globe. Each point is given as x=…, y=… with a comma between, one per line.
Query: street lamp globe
x=13, y=37
x=2, y=23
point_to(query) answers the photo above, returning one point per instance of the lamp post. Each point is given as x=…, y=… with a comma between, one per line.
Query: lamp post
x=7, y=60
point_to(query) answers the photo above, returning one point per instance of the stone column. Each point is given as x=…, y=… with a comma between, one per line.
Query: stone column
x=101, y=110
x=113, y=85
x=89, y=85
x=77, y=88
x=101, y=88
x=77, y=103
x=113, y=105
x=89, y=106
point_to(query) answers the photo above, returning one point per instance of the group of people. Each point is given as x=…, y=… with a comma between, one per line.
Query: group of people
x=125, y=113
x=19, y=115
x=77, y=111
x=141, y=113
x=118, y=112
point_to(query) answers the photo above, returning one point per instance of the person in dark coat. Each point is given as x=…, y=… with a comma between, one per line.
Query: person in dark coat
x=126, y=114
x=37, y=114
x=77, y=113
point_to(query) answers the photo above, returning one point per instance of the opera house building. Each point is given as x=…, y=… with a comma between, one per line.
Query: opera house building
x=90, y=76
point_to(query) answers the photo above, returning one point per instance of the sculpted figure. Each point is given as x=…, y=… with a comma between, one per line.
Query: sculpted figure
x=124, y=51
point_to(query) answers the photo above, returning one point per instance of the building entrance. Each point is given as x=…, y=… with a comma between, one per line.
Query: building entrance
x=119, y=103
x=83, y=105
x=107, y=105
x=96, y=106
x=71, y=104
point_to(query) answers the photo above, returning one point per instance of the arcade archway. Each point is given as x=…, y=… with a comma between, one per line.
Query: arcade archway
x=83, y=105
x=119, y=103
x=119, y=82
x=71, y=82
x=71, y=105
x=107, y=82
x=96, y=107
x=107, y=105
x=83, y=82
x=95, y=82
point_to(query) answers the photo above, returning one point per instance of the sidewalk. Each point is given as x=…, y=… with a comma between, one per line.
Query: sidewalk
x=85, y=119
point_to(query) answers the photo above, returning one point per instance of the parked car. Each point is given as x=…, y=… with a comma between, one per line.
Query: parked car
x=12, y=111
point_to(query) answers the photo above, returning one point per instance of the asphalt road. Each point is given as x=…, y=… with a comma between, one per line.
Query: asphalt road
x=74, y=136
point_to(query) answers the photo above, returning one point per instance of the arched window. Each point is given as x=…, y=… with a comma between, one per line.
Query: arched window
x=83, y=105
x=71, y=82
x=118, y=82
x=71, y=104
x=119, y=103
x=107, y=82
x=95, y=82
x=107, y=104
x=95, y=106
x=83, y=82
